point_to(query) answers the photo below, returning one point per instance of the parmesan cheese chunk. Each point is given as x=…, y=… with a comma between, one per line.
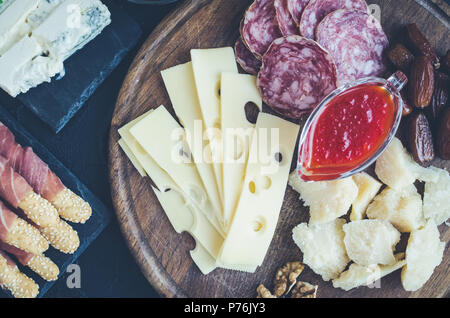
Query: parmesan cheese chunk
x=436, y=199
x=358, y=275
x=423, y=253
x=397, y=169
x=323, y=247
x=368, y=188
x=327, y=200
x=371, y=242
x=402, y=208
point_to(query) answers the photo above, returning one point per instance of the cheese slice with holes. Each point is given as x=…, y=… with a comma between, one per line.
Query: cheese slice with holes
x=165, y=141
x=180, y=85
x=236, y=91
x=208, y=65
x=266, y=177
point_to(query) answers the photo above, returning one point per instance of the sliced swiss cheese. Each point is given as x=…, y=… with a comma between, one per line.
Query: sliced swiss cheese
x=163, y=139
x=236, y=91
x=266, y=177
x=132, y=157
x=179, y=82
x=208, y=65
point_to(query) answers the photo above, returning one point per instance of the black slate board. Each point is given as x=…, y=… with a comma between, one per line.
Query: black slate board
x=57, y=102
x=87, y=232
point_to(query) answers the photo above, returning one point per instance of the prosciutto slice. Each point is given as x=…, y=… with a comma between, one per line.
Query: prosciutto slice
x=29, y=165
x=13, y=187
x=22, y=256
x=7, y=218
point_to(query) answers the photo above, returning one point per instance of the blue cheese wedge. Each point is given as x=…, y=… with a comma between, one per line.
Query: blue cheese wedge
x=26, y=65
x=42, y=12
x=71, y=26
x=13, y=25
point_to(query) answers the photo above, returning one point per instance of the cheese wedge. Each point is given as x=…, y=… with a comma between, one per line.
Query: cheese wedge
x=259, y=206
x=236, y=91
x=368, y=188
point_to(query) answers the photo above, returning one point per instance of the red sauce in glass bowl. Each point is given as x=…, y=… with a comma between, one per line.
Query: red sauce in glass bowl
x=349, y=130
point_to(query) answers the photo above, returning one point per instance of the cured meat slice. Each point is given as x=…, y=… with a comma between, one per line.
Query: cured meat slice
x=316, y=10
x=296, y=8
x=260, y=27
x=296, y=75
x=286, y=23
x=245, y=58
x=356, y=41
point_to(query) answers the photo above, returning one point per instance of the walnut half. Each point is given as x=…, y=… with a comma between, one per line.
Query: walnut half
x=304, y=290
x=263, y=292
x=287, y=274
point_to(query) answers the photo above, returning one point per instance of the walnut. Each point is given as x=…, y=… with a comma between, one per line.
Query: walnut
x=263, y=292
x=304, y=290
x=286, y=277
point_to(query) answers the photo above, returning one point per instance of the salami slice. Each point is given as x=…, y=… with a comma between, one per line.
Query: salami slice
x=245, y=58
x=316, y=10
x=356, y=41
x=260, y=27
x=286, y=23
x=296, y=75
x=296, y=8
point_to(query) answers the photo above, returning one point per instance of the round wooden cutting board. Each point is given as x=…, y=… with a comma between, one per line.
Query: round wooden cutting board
x=163, y=255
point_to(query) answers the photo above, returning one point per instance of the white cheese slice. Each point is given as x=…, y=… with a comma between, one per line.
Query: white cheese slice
x=43, y=10
x=25, y=66
x=132, y=157
x=236, y=91
x=180, y=85
x=208, y=65
x=72, y=25
x=13, y=24
x=184, y=217
x=266, y=177
x=163, y=139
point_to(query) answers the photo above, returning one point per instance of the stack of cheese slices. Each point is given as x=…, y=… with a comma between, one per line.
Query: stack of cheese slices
x=219, y=177
x=37, y=36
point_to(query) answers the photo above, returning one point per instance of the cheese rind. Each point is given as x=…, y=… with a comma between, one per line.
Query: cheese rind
x=258, y=209
x=180, y=85
x=236, y=91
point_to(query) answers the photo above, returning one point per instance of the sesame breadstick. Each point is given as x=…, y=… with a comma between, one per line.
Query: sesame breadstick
x=40, y=264
x=15, y=190
x=71, y=207
x=62, y=237
x=19, y=284
x=43, y=181
x=19, y=233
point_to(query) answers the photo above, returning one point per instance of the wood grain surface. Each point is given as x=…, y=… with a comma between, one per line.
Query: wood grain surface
x=163, y=255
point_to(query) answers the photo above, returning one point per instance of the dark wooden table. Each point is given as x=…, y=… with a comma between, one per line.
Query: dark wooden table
x=107, y=267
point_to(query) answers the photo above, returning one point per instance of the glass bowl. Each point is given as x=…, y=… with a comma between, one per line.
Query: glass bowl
x=393, y=86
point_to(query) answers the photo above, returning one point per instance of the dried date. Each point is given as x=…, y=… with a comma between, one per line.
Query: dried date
x=421, y=85
x=420, y=44
x=407, y=109
x=400, y=57
x=440, y=96
x=420, y=139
